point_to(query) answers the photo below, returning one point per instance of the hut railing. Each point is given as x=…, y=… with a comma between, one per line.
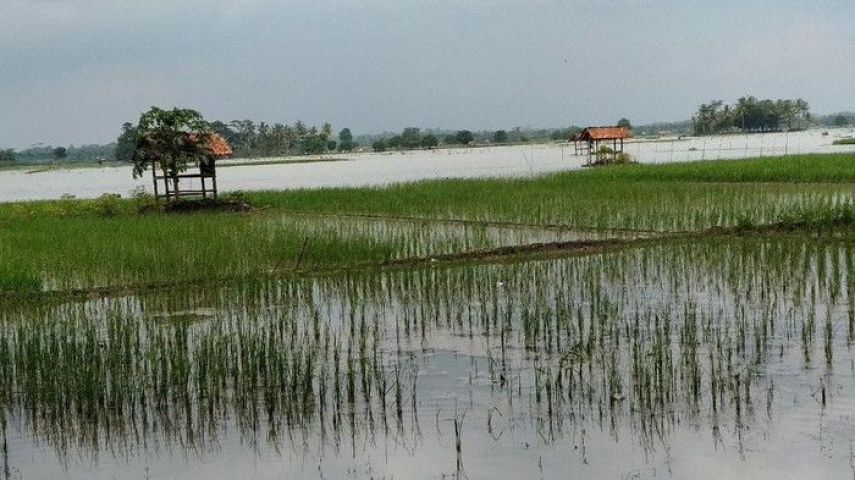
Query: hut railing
x=171, y=184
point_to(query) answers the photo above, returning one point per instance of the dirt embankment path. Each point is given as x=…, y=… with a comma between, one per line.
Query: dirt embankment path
x=480, y=223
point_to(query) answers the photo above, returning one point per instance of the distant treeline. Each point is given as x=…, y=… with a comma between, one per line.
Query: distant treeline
x=71, y=154
x=412, y=138
x=251, y=139
x=683, y=127
x=842, y=119
x=749, y=114
x=259, y=139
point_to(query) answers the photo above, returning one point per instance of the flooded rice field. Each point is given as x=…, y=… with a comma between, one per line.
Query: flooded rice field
x=718, y=358
x=383, y=168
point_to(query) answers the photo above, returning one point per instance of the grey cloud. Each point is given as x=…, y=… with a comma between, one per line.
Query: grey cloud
x=73, y=71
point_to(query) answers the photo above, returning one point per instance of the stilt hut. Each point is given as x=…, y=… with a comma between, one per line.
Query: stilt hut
x=589, y=140
x=168, y=183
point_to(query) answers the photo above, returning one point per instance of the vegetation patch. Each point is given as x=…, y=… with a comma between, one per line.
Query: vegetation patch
x=18, y=280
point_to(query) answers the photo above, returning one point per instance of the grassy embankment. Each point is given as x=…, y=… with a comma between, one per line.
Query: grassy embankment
x=107, y=242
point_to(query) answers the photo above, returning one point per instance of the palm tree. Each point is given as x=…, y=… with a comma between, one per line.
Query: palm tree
x=803, y=109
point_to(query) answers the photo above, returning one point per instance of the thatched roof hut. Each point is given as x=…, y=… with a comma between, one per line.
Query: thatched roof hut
x=218, y=147
x=589, y=140
x=600, y=134
x=215, y=148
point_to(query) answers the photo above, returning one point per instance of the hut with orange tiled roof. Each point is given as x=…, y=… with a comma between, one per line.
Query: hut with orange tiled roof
x=589, y=140
x=168, y=184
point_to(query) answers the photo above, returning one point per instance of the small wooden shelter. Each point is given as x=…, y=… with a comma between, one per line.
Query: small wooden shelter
x=167, y=185
x=589, y=140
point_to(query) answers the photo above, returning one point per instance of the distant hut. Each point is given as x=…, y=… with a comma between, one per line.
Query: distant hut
x=589, y=140
x=167, y=183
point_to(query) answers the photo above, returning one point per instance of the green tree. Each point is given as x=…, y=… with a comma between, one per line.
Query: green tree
x=394, y=142
x=126, y=143
x=624, y=122
x=378, y=145
x=59, y=153
x=291, y=137
x=840, y=121
x=226, y=132
x=345, y=140
x=411, y=137
x=7, y=156
x=264, y=139
x=163, y=137
x=314, y=144
x=500, y=136
x=465, y=137
x=429, y=141
x=301, y=129
x=278, y=138
x=326, y=131
x=802, y=109
x=246, y=135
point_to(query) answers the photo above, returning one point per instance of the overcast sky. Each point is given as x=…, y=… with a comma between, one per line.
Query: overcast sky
x=72, y=71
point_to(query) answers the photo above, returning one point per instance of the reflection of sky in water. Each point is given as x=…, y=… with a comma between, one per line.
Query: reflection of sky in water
x=801, y=441
x=785, y=433
x=375, y=169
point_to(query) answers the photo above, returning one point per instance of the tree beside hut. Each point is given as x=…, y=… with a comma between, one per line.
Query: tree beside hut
x=170, y=142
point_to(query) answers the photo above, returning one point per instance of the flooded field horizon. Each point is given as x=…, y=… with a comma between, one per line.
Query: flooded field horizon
x=718, y=358
x=373, y=169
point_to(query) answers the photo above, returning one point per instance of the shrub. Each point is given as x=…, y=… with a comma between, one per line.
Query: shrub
x=603, y=154
x=143, y=201
x=607, y=156
x=623, y=158
x=108, y=205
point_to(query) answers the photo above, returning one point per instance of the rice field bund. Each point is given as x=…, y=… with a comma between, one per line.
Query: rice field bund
x=691, y=320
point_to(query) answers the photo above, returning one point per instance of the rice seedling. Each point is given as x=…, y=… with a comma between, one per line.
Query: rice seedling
x=684, y=196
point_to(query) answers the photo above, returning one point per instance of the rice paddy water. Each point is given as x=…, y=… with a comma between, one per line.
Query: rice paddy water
x=704, y=357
